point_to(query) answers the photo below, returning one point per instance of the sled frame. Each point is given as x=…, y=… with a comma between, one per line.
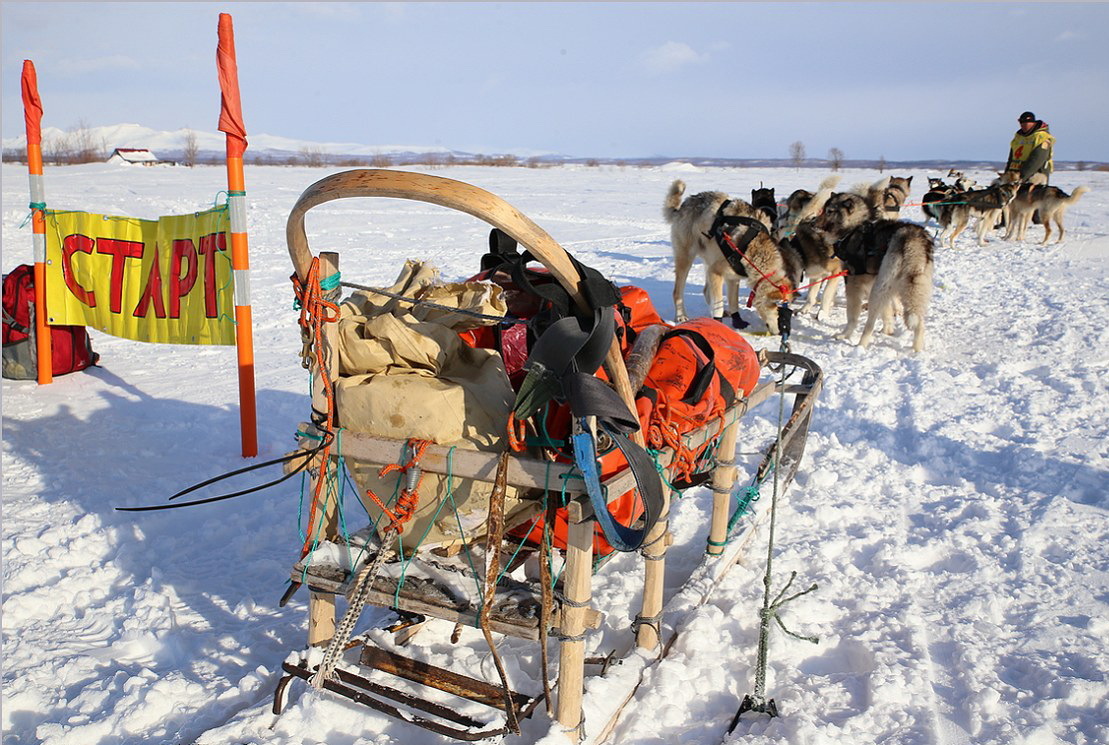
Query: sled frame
x=574, y=616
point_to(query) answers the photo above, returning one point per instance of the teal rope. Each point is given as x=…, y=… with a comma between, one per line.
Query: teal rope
x=662, y=471
x=327, y=284
x=523, y=540
x=340, y=467
x=749, y=496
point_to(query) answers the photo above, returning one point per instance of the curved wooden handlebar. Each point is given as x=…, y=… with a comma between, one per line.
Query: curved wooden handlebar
x=457, y=195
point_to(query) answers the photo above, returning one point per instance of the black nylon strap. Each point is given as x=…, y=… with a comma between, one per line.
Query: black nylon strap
x=722, y=224
x=502, y=250
x=700, y=382
x=588, y=395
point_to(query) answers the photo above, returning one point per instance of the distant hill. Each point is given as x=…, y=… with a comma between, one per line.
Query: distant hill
x=274, y=149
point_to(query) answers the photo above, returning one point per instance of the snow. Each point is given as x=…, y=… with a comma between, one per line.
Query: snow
x=952, y=506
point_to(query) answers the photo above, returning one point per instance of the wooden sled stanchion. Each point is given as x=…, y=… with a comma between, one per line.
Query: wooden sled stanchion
x=416, y=601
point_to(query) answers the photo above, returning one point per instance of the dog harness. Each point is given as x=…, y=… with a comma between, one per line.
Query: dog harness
x=858, y=249
x=734, y=244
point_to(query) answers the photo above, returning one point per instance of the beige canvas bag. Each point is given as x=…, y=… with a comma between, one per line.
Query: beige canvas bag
x=405, y=373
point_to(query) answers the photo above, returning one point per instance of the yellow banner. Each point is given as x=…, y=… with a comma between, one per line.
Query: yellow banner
x=167, y=280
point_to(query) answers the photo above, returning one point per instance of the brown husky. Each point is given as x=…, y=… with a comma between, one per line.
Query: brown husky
x=1052, y=203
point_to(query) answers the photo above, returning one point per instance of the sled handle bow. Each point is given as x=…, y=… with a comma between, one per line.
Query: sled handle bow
x=457, y=195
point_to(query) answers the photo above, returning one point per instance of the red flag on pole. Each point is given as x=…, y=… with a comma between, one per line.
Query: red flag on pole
x=231, y=108
x=32, y=104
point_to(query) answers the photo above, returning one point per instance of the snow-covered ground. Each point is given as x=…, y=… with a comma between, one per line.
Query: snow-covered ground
x=952, y=506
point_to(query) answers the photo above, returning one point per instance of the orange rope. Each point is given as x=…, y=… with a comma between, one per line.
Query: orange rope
x=315, y=311
x=517, y=432
x=785, y=289
x=830, y=276
x=663, y=431
x=409, y=497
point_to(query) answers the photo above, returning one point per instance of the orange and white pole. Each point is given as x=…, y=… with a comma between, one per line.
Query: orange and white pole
x=32, y=114
x=231, y=123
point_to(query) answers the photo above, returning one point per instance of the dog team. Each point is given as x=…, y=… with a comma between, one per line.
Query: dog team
x=816, y=238
x=1004, y=203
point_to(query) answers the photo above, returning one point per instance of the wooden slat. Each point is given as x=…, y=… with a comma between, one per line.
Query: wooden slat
x=524, y=472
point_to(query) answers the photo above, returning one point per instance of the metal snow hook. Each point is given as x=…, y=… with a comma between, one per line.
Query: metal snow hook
x=771, y=609
x=757, y=701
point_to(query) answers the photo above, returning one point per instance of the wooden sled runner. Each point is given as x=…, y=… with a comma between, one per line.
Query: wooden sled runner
x=446, y=702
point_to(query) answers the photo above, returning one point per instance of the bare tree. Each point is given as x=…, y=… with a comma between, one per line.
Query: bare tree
x=797, y=154
x=58, y=149
x=835, y=158
x=312, y=156
x=87, y=147
x=881, y=164
x=189, y=154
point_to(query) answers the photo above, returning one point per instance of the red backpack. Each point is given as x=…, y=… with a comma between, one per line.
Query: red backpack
x=71, y=349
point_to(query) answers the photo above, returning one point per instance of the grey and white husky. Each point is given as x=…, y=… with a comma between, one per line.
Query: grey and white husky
x=889, y=265
x=691, y=220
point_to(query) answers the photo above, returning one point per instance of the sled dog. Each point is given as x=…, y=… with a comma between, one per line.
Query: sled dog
x=893, y=196
x=935, y=203
x=763, y=200
x=803, y=205
x=889, y=265
x=816, y=254
x=1050, y=201
x=941, y=198
x=986, y=204
x=691, y=222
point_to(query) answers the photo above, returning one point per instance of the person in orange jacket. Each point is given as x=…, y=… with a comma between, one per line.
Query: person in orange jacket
x=1031, y=151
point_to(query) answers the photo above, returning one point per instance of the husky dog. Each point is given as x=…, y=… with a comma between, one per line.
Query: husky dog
x=894, y=195
x=941, y=198
x=889, y=265
x=936, y=202
x=986, y=204
x=692, y=221
x=1050, y=201
x=804, y=205
x=964, y=182
x=815, y=251
x=763, y=200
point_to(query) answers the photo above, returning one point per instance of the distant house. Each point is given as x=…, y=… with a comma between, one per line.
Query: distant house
x=133, y=156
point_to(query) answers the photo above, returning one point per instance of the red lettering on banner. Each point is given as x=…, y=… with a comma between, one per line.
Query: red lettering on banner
x=72, y=244
x=153, y=291
x=209, y=244
x=183, y=251
x=120, y=251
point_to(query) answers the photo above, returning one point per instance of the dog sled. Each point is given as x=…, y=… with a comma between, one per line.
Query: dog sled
x=493, y=505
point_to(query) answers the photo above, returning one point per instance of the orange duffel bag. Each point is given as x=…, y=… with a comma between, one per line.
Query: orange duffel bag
x=701, y=368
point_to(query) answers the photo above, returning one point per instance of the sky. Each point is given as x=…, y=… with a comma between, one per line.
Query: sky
x=614, y=80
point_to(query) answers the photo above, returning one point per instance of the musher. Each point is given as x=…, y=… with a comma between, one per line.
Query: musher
x=1030, y=152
